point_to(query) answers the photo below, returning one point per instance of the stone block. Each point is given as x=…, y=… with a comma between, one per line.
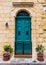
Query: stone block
x=40, y=31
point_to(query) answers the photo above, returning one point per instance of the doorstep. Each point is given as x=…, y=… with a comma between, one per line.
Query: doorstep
x=21, y=61
x=17, y=60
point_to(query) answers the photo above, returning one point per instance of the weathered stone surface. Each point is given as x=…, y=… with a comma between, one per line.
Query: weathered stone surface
x=38, y=20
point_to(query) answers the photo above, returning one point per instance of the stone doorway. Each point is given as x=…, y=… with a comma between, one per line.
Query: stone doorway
x=23, y=42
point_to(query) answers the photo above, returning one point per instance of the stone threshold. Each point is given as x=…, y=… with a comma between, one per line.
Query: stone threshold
x=17, y=60
x=23, y=56
x=21, y=61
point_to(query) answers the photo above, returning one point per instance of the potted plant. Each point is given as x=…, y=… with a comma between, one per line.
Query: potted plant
x=40, y=52
x=8, y=51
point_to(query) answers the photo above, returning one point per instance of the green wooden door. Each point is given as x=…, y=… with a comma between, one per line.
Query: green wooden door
x=23, y=44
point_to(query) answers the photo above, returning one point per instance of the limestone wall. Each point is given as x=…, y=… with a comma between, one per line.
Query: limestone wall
x=8, y=13
x=22, y=0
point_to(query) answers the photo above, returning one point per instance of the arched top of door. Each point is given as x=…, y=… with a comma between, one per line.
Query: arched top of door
x=23, y=13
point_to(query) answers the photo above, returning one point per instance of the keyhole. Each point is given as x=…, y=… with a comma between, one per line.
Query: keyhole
x=26, y=32
x=18, y=32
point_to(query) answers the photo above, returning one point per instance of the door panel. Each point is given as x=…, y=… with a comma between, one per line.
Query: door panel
x=19, y=29
x=27, y=47
x=19, y=47
x=23, y=35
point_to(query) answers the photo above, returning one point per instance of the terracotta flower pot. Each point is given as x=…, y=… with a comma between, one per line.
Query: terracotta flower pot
x=6, y=56
x=40, y=57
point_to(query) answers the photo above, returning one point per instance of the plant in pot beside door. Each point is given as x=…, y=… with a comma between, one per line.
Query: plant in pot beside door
x=8, y=51
x=40, y=52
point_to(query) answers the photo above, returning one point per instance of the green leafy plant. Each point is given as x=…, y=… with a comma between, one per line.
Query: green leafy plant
x=40, y=49
x=8, y=48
